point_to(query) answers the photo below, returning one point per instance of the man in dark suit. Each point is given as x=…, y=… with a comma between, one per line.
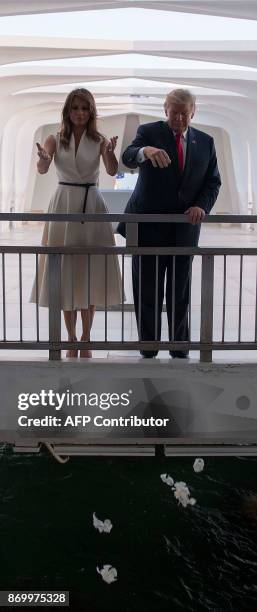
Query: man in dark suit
x=178, y=173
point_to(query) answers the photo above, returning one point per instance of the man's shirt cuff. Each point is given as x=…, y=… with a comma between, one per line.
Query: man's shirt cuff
x=140, y=158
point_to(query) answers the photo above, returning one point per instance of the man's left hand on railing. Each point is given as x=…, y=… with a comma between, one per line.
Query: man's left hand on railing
x=195, y=214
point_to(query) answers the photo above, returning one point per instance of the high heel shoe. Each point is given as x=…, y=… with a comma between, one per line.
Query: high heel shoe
x=84, y=353
x=72, y=353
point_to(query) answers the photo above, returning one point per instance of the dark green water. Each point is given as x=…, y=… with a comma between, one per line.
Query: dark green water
x=168, y=558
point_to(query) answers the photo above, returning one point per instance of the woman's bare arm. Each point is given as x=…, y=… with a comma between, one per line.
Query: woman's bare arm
x=108, y=155
x=46, y=154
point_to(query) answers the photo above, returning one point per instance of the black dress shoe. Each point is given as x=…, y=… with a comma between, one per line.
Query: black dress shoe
x=179, y=354
x=148, y=354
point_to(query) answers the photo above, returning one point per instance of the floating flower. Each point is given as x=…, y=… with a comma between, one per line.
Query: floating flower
x=198, y=465
x=108, y=573
x=167, y=479
x=182, y=494
x=105, y=526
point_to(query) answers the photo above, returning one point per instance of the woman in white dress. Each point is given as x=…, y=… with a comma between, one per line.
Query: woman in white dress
x=76, y=150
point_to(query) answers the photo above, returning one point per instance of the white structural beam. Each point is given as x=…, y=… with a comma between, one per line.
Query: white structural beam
x=21, y=75
x=238, y=81
x=246, y=9
x=30, y=48
x=238, y=53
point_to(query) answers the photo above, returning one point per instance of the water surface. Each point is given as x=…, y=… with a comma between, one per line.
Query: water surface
x=168, y=557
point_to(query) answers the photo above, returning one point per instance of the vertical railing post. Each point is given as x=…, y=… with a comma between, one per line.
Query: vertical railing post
x=132, y=241
x=206, y=334
x=54, y=304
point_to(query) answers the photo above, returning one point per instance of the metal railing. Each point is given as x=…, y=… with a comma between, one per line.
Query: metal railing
x=205, y=343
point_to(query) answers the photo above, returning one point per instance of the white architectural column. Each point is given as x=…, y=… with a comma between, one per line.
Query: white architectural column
x=253, y=161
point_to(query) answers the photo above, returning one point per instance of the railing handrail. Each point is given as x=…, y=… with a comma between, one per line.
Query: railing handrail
x=128, y=250
x=126, y=218
x=205, y=344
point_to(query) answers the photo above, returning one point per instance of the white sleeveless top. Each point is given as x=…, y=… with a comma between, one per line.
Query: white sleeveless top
x=82, y=168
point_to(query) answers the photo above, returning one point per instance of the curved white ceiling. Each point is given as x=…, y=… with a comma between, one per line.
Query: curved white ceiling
x=225, y=82
x=127, y=88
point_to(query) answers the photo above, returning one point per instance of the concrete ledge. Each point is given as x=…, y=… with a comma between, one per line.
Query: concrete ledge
x=167, y=402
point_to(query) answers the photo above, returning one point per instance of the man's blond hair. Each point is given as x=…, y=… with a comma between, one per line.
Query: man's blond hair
x=180, y=96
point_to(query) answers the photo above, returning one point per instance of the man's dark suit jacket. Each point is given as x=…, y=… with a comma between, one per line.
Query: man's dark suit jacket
x=166, y=190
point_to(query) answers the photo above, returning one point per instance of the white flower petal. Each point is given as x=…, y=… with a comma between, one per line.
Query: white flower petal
x=108, y=573
x=182, y=494
x=105, y=526
x=198, y=465
x=97, y=523
x=167, y=479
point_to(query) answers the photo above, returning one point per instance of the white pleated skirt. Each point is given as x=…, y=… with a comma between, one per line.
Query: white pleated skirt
x=85, y=279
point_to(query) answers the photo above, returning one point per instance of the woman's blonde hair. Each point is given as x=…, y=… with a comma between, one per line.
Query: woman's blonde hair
x=66, y=127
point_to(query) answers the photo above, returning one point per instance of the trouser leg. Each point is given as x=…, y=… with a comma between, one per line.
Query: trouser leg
x=148, y=272
x=177, y=296
x=178, y=306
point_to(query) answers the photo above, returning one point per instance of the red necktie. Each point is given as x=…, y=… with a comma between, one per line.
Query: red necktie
x=180, y=152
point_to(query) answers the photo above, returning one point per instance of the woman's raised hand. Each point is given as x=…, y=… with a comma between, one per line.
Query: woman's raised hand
x=42, y=154
x=109, y=158
x=111, y=144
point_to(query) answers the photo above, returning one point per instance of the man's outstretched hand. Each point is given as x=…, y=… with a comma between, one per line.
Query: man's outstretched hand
x=195, y=214
x=158, y=157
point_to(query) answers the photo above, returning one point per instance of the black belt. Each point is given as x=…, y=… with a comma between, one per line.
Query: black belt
x=86, y=187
